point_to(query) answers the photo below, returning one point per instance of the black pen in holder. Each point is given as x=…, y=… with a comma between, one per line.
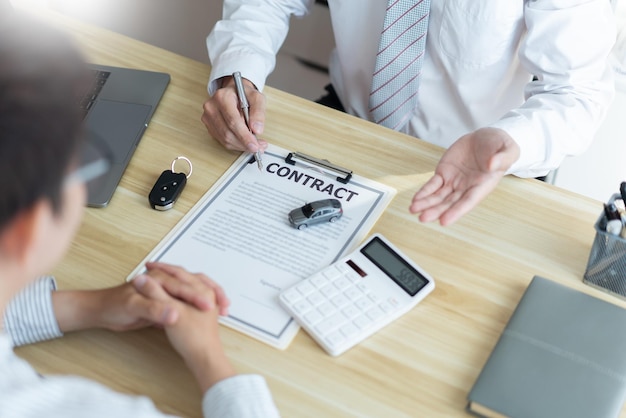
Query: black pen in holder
x=606, y=267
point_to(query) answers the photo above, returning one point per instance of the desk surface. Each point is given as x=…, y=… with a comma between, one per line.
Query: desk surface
x=423, y=364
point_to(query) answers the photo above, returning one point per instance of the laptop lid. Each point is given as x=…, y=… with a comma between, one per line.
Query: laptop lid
x=118, y=107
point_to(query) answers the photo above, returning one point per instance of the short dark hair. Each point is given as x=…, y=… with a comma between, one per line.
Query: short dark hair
x=40, y=122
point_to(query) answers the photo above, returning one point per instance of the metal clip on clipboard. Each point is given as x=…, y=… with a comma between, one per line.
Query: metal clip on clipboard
x=344, y=175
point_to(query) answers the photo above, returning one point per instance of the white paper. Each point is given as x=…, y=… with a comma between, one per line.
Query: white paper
x=238, y=234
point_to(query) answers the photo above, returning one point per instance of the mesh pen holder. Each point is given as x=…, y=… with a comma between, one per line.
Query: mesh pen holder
x=606, y=268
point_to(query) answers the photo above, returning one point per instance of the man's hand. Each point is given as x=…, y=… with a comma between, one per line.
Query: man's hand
x=467, y=172
x=187, y=305
x=223, y=118
x=195, y=333
x=119, y=308
x=123, y=308
x=184, y=287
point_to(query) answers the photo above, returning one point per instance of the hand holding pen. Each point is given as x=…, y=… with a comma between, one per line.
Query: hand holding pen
x=222, y=116
x=245, y=109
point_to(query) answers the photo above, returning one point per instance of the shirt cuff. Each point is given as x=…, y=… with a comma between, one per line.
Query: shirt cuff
x=532, y=159
x=252, y=67
x=240, y=396
x=29, y=317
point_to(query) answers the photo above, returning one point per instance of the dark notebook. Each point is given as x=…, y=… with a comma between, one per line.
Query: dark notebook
x=562, y=354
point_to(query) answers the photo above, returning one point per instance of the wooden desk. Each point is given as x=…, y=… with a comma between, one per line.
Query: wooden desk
x=421, y=365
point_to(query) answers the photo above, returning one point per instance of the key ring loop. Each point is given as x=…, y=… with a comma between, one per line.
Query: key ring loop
x=188, y=163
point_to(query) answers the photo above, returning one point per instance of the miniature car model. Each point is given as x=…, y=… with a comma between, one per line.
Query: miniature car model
x=315, y=212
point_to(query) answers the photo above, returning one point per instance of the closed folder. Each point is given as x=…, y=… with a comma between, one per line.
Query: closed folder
x=562, y=354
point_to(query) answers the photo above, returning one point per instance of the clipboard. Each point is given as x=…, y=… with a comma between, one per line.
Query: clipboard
x=239, y=235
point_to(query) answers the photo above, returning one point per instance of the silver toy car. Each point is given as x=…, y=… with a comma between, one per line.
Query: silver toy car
x=315, y=212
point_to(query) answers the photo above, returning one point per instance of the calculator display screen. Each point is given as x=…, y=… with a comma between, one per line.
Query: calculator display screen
x=394, y=266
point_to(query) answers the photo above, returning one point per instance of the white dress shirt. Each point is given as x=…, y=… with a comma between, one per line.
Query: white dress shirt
x=26, y=394
x=480, y=59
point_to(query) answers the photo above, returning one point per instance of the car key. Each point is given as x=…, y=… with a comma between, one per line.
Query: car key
x=168, y=187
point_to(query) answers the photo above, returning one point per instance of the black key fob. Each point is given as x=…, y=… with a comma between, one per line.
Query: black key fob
x=166, y=190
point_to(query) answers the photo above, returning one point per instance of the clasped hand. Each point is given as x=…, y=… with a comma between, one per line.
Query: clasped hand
x=158, y=297
x=186, y=305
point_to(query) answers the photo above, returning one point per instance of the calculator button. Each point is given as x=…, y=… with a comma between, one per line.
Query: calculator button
x=326, y=308
x=316, y=298
x=340, y=300
x=372, y=297
x=331, y=272
x=352, y=293
x=329, y=290
x=318, y=280
x=363, y=288
x=362, y=321
x=386, y=307
x=363, y=304
x=329, y=324
x=313, y=317
x=393, y=302
x=341, y=283
x=302, y=306
x=305, y=288
x=291, y=295
x=351, y=311
x=375, y=313
x=338, y=318
x=349, y=330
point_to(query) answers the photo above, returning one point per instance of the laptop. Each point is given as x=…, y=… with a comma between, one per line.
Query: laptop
x=117, y=109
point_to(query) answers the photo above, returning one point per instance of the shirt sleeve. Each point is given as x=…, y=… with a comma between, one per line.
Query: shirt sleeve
x=29, y=317
x=241, y=396
x=248, y=38
x=566, y=47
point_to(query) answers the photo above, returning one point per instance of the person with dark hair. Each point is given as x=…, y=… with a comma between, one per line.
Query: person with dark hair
x=42, y=196
x=508, y=87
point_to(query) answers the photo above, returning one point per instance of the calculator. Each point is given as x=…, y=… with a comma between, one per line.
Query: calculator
x=357, y=295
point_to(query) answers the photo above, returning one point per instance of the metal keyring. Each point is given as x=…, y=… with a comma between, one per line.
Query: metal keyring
x=188, y=162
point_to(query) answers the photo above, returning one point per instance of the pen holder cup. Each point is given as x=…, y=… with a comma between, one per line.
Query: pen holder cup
x=606, y=268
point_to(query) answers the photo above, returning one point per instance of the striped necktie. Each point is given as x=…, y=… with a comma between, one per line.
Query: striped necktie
x=399, y=60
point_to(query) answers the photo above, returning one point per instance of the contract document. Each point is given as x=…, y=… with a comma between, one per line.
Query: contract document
x=238, y=234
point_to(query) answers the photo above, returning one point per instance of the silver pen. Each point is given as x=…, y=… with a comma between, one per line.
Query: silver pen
x=243, y=103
